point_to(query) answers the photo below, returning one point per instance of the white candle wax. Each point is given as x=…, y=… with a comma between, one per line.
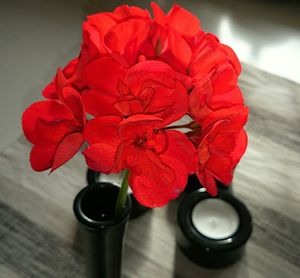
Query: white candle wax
x=215, y=218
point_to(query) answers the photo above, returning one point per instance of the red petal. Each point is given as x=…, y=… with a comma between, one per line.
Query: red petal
x=99, y=104
x=72, y=99
x=198, y=101
x=208, y=181
x=102, y=130
x=150, y=74
x=224, y=81
x=223, y=143
x=176, y=110
x=185, y=80
x=158, y=185
x=70, y=69
x=124, y=12
x=183, y=21
x=66, y=149
x=137, y=125
x=179, y=53
x=221, y=168
x=50, y=134
x=231, y=119
x=203, y=153
x=100, y=157
x=50, y=91
x=60, y=82
x=158, y=14
x=49, y=111
x=103, y=74
x=120, y=35
x=228, y=99
x=41, y=158
x=125, y=156
x=152, y=181
x=103, y=21
x=205, y=65
x=181, y=172
x=93, y=45
x=181, y=148
x=232, y=58
x=240, y=148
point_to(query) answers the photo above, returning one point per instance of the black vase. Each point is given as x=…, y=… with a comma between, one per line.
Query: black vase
x=136, y=208
x=101, y=231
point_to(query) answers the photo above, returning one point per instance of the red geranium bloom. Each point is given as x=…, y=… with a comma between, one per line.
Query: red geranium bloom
x=214, y=71
x=158, y=161
x=221, y=144
x=55, y=129
x=168, y=37
x=71, y=74
x=137, y=75
x=122, y=31
x=218, y=91
x=149, y=87
x=210, y=55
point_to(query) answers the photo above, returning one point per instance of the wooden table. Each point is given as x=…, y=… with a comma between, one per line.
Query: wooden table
x=39, y=234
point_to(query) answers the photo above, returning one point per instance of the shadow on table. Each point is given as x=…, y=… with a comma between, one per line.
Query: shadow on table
x=184, y=268
x=77, y=239
x=137, y=242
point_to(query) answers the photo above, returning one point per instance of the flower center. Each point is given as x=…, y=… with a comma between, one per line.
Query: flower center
x=139, y=142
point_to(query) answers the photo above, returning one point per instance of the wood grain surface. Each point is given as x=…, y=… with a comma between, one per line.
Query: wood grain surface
x=39, y=234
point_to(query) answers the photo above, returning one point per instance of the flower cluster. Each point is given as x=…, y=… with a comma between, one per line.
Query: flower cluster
x=135, y=76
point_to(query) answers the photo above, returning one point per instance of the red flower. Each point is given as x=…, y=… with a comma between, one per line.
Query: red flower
x=149, y=87
x=122, y=32
x=214, y=70
x=179, y=19
x=210, y=55
x=71, y=74
x=169, y=35
x=158, y=161
x=218, y=91
x=137, y=75
x=221, y=144
x=55, y=129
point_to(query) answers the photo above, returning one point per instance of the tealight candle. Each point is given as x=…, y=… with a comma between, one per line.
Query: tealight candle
x=213, y=231
x=215, y=218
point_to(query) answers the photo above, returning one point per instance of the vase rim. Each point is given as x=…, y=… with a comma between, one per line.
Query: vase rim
x=99, y=224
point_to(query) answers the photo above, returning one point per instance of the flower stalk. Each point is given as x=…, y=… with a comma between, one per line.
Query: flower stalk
x=122, y=194
x=192, y=125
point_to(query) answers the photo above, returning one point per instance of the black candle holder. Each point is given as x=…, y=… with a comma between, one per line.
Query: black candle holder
x=194, y=184
x=136, y=208
x=208, y=252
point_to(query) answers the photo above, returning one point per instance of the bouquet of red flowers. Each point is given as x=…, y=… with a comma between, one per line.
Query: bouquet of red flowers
x=135, y=76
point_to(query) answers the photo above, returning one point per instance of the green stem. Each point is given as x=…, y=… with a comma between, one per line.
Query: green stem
x=122, y=194
x=192, y=125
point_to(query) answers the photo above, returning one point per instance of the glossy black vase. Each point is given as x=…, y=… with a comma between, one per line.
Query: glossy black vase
x=136, y=208
x=101, y=232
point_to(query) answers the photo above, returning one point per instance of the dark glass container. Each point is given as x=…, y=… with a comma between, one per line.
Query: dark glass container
x=207, y=252
x=101, y=231
x=136, y=210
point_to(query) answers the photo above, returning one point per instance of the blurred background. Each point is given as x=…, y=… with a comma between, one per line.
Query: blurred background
x=38, y=36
